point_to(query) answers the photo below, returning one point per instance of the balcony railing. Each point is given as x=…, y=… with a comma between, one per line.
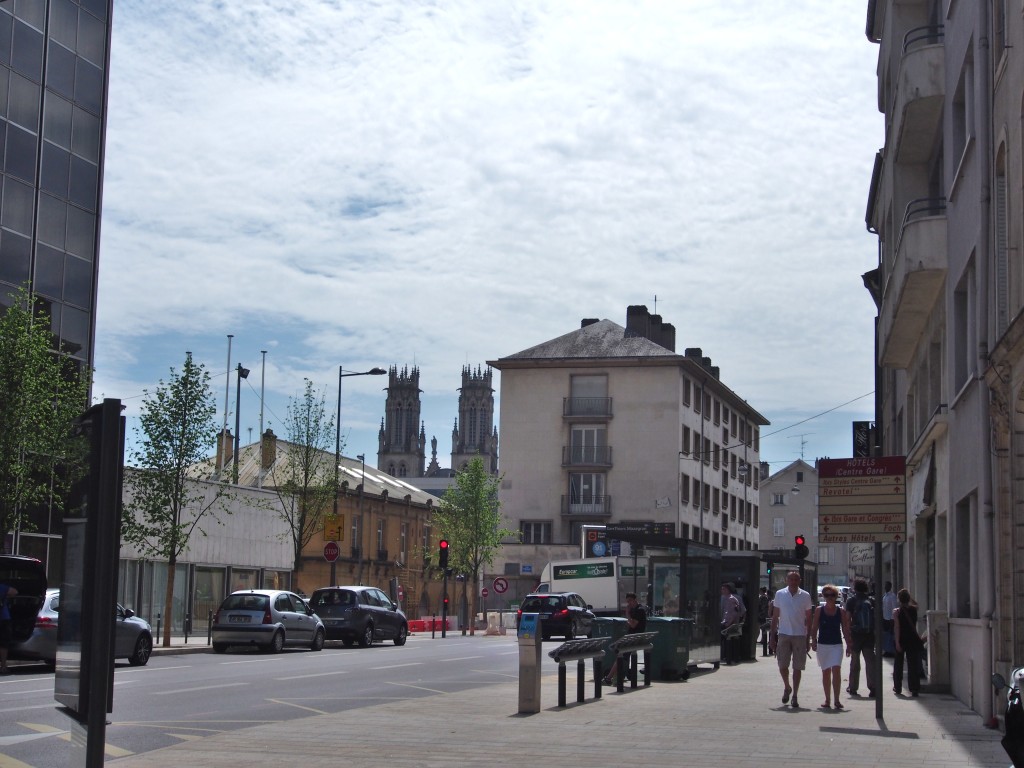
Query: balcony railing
x=588, y=506
x=588, y=407
x=919, y=94
x=586, y=455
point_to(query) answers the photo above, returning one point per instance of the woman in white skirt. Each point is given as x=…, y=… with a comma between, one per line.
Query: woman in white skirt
x=830, y=626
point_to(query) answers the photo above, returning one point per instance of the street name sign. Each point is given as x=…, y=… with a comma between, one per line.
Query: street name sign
x=862, y=501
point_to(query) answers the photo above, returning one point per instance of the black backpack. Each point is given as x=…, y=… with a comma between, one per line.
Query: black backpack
x=862, y=615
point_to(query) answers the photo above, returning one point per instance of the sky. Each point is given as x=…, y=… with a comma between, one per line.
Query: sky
x=438, y=184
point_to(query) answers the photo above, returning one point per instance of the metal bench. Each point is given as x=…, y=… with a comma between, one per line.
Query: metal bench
x=579, y=651
x=629, y=646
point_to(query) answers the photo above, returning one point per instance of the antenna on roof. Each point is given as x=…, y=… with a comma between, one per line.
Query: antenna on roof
x=803, y=442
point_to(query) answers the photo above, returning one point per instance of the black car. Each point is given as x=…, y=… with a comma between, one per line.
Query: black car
x=28, y=576
x=359, y=614
x=561, y=613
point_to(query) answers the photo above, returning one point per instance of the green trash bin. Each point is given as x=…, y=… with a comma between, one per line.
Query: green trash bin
x=612, y=627
x=670, y=656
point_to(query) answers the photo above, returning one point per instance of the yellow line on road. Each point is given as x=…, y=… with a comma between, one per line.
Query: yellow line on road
x=10, y=762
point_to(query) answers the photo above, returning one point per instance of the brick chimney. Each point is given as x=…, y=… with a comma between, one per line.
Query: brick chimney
x=268, y=449
x=225, y=449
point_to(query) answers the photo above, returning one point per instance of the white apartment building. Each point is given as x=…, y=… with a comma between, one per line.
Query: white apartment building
x=945, y=203
x=610, y=425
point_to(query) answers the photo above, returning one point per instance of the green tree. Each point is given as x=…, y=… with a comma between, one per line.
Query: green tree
x=41, y=393
x=469, y=517
x=306, y=479
x=166, y=505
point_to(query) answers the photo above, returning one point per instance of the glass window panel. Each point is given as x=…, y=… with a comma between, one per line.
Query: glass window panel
x=78, y=282
x=27, y=51
x=52, y=221
x=20, y=157
x=15, y=257
x=81, y=239
x=64, y=22
x=85, y=135
x=16, y=209
x=55, y=170
x=88, y=86
x=74, y=332
x=84, y=182
x=31, y=11
x=60, y=70
x=97, y=8
x=57, y=120
x=5, y=76
x=6, y=32
x=92, y=39
x=49, y=272
x=23, y=104
x=3, y=139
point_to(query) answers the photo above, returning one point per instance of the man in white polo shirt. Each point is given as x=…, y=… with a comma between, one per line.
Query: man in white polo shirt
x=790, y=633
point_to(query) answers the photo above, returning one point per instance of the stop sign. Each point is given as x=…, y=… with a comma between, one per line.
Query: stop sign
x=331, y=551
x=484, y=592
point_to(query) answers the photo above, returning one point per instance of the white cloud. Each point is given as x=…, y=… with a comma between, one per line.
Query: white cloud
x=440, y=184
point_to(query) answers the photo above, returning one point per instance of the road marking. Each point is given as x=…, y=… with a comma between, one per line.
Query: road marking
x=316, y=674
x=250, y=661
x=145, y=670
x=201, y=688
x=462, y=658
x=299, y=706
x=10, y=762
x=397, y=666
x=35, y=690
x=417, y=687
x=185, y=736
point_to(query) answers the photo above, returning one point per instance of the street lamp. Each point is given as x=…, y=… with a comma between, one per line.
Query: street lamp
x=243, y=373
x=362, y=528
x=337, y=438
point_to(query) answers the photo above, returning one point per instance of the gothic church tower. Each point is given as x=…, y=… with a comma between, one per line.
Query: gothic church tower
x=401, y=443
x=475, y=433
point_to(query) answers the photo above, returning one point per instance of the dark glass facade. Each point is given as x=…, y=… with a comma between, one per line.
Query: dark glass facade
x=54, y=57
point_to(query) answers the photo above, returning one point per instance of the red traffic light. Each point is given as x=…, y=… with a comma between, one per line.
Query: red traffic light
x=443, y=543
x=799, y=540
x=800, y=550
x=442, y=553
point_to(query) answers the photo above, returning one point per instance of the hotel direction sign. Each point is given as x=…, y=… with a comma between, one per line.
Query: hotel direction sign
x=862, y=501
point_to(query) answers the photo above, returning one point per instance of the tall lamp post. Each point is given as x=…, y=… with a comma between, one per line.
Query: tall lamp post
x=337, y=445
x=243, y=373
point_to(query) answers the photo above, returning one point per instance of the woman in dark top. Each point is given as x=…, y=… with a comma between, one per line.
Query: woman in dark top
x=830, y=625
x=908, y=644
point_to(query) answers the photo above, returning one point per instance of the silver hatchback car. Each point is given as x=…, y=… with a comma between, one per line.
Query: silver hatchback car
x=269, y=619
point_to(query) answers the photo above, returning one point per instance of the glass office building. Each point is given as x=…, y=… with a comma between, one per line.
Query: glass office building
x=54, y=57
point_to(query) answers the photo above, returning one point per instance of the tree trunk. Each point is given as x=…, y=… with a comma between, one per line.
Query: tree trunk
x=169, y=600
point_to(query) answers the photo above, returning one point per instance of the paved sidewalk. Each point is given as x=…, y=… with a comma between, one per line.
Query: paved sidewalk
x=728, y=718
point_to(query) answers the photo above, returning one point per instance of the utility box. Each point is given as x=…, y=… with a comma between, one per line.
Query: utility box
x=530, y=636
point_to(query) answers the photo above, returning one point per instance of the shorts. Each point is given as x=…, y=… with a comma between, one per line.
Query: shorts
x=6, y=634
x=830, y=655
x=792, y=647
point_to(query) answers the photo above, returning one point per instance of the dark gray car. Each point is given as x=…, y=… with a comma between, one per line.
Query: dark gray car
x=359, y=614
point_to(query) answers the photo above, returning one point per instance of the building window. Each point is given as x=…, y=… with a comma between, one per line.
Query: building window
x=586, y=493
x=381, y=539
x=686, y=441
x=799, y=477
x=707, y=450
x=684, y=489
x=356, y=538
x=825, y=555
x=779, y=526
x=686, y=391
x=537, y=532
x=715, y=456
x=403, y=543
x=718, y=412
x=696, y=492
x=715, y=501
x=588, y=445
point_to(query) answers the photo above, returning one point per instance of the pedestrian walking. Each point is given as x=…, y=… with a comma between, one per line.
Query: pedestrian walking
x=763, y=618
x=732, y=624
x=829, y=627
x=862, y=629
x=909, y=644
x=889, y=603
x=790, y=632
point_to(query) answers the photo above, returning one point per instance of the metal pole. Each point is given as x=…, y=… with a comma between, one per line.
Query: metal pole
x=242, y=373
x=227, y=391
x=362, y=534
x=701, y=454
x=263, y=391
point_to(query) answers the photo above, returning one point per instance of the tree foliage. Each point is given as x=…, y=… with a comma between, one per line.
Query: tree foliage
x=469, y=517
x=165, y=505
x=305, y=480
x=41, y=393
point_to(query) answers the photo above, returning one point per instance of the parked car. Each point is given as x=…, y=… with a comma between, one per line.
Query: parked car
x=359, y=614
x=35, y=616
x=561, y=613
x=267, y=618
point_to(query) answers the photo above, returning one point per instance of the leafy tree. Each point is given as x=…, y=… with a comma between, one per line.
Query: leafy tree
x=177, y=429
x=306, y=478
x=469, y=517
x=41, y=393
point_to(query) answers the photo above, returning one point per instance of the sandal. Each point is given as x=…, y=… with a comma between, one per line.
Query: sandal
x=827, y=705
x=839, y=706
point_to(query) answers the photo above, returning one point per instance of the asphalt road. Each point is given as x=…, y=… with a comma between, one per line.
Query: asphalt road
x=186, y=697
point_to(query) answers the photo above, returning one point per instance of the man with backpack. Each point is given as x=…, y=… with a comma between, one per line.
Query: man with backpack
x=862, y=629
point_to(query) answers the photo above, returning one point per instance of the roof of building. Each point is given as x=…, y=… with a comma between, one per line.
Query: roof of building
x=351, y=471
x=603, y=339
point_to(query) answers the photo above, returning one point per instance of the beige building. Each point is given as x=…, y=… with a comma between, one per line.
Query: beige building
x=608, y=424
x=945, y=203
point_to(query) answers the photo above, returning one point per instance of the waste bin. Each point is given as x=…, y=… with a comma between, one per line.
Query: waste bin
x=671, y=653
x=612, y=627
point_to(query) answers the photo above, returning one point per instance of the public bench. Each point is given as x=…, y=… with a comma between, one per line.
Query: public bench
x=625, y=649
x=579, y=651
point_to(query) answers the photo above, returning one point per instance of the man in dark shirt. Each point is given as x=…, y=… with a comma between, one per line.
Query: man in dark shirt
x=636, y=621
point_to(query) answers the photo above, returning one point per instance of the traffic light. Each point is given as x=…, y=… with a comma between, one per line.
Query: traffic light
x=770, y=569
x=442, y=555
x=800, y=550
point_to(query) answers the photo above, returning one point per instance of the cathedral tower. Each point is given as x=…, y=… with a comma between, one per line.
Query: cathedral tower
x=474, y=433
x=401, y=443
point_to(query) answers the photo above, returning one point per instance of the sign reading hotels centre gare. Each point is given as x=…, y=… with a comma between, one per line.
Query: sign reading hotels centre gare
x=862, y=500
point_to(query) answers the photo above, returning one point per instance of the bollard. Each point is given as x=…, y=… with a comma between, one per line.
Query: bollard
x=188, y=626
x=158, y=632
x=209, y=627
